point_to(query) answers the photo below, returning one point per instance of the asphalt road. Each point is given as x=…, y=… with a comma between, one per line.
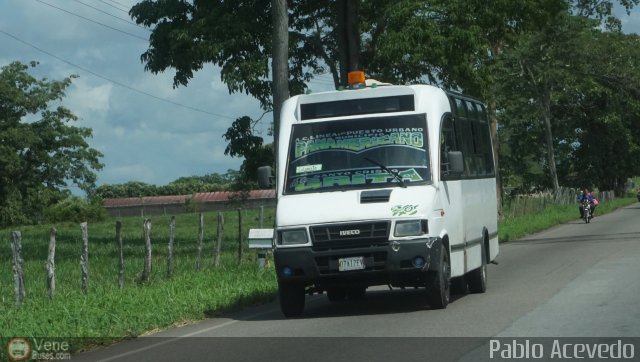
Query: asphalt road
x=574, y=280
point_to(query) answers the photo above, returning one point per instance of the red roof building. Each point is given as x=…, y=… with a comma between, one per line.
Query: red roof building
x=198, y=202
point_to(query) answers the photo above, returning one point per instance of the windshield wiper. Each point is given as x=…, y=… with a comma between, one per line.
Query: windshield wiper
x=395, y=174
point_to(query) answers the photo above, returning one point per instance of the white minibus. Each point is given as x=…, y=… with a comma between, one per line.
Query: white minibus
x=383, y=185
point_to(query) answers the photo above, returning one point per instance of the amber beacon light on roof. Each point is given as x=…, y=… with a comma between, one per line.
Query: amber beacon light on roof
x=356, y=79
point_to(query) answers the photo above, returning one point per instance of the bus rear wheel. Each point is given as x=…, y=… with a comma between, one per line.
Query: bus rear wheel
x=478, y=277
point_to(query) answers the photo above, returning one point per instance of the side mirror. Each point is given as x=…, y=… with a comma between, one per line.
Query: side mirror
x=456, y=162
x=264, y=177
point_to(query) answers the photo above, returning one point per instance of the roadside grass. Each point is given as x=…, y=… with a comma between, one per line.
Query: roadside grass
x=513, y=228
x=109, y=313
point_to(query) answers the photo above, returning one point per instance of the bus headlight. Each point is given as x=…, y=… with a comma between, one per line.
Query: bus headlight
x=293, y=237
x=410, y=228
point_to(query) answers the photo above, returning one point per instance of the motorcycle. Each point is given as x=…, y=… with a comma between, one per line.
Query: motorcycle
x=586, y=207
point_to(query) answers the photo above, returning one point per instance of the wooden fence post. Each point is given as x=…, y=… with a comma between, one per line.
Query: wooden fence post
x=261, y=218
x=200, y=241
x=51, y=264
x=219, y=244
x=146, y=271
x=18, y=262
x=172, y=235
x=121, y=254
x=84, y=258
x=239, y=236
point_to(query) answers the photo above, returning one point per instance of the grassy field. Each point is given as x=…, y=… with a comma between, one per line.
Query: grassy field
x=106, y=310
x=109, y=313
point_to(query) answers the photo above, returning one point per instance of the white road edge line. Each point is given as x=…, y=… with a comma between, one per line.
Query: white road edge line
x=142, y=349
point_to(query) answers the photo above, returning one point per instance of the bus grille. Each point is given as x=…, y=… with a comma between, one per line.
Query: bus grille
x=354, y=235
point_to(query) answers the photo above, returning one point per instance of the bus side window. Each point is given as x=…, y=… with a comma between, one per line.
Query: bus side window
x=461, y=110
x=447, y=143
x=485, y=137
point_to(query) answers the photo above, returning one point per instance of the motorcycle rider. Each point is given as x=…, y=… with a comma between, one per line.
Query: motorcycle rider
x=581, y=197
x=594, y=204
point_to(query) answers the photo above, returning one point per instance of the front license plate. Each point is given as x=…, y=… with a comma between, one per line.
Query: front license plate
x=353, y=263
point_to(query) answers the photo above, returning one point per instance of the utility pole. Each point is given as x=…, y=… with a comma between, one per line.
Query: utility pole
x=280, y=62
x=348, y=37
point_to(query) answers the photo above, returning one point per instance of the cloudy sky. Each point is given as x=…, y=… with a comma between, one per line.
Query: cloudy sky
x=146, y=130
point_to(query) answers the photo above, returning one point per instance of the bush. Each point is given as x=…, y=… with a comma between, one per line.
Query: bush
x=75, y=209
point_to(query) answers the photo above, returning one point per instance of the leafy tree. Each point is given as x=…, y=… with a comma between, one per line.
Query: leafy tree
x=542, y=64
x=75, y=209
x=607, y=134
x=236, y=36
x=574, y=89
x=243, y=142
x=40, y=151
x=181, y=186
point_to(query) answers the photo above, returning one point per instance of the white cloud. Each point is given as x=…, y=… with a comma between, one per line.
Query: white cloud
x=85, y=99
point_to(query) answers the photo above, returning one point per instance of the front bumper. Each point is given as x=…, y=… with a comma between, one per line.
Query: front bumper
x=393, y=264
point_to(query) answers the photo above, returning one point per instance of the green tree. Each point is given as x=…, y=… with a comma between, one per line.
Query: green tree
x=244, y=143
x=607, y=132
x=181, y=186
x=542, y=64
x=573, y=88
x=235, y=36
x=40, y=151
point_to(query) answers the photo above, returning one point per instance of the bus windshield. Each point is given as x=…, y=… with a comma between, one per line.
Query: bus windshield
x=358, y=153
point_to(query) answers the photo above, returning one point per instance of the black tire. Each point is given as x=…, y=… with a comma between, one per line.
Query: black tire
x=336, y=294
x=356, y=293
x=291, y=299
x=459, y=285
x=587, y=217
x=440, y=288
x=478, y=278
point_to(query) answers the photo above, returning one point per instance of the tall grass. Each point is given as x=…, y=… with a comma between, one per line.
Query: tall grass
x=106, y=310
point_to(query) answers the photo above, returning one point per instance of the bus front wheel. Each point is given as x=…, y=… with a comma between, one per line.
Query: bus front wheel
x=439, y=291
x=336, y=294
x=291, y=299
